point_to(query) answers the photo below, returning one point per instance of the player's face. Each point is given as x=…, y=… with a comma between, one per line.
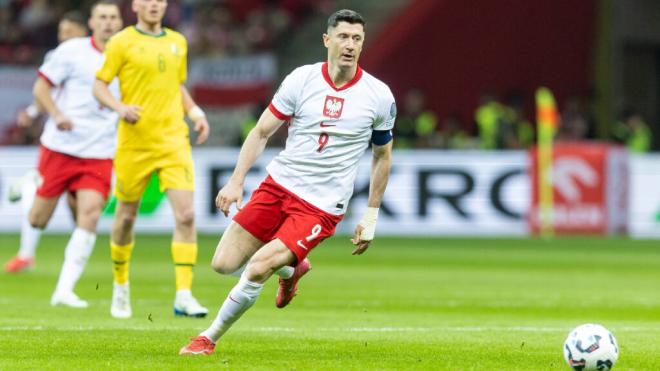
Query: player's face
x=68, y=30
x=105, y=21
x=344, y=44
x=150, y=11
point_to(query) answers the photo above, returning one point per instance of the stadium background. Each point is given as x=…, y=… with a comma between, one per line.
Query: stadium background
x=454, y=67
x=458, y=70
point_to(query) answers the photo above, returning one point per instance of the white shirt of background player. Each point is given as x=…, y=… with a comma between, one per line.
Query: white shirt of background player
x=72, y=67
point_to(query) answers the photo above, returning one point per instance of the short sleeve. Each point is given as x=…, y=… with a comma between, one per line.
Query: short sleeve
x=114, y=60
x=285, y=101
x=183, y=67
x=57, y=67
x=386, y=113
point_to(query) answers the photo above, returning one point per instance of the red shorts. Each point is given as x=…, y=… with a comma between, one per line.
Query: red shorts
x=61, y=172
x=274, y=212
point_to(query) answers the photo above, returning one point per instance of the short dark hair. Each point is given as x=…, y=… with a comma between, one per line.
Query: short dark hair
x=103, y=2
x=76, y=17
x=345, y=15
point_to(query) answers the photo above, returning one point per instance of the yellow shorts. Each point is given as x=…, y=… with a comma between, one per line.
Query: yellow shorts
x=133, y=169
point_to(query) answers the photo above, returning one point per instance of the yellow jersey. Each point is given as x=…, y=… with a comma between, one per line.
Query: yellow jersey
x=150, y=70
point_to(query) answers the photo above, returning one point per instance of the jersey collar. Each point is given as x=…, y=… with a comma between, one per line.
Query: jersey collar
x=96, y=47
x=161, y=34
x=354, y=80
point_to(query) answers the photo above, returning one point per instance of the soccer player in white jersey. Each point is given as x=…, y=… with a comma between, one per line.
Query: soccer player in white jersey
x=334, y=110
x=71, y=25
x=77, y=144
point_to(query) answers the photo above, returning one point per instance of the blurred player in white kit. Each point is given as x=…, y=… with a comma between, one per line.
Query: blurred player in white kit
x=334, y=110
x=78, y=143
x=71, y=25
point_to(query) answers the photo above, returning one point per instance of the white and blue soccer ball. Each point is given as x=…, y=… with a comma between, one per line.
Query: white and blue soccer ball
x=591, y=347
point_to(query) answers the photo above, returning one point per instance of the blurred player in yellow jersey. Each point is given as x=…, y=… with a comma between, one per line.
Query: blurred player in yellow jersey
x=150, y=62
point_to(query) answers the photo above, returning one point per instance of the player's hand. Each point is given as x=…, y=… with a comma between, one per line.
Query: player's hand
x=361, y=245
x=24, y=120
x=365, y=231
x=201, y=126
x=63, y=123
x=130, y=114
x=230, y=193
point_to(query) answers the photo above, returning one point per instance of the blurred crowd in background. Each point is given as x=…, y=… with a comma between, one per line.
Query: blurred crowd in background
x=503, y=123
x=501, y=120
x=235, y=27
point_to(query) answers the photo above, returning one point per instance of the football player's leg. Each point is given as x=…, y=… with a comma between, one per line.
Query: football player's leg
x=288, y=285
x=133, y=169
x=72, y=203
x=184, y=240
x=121, y=249
x=301, y=233
x=26, y=189
x=234, y=250
x=79, y=247
x=261, y=266
x=176, y=177
x=121, y=241
x=253, y=226
x=184, y=252
x=51, y=179
x=40, y=213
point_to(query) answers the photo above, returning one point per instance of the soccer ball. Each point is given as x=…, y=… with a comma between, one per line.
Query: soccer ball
x=591, y=347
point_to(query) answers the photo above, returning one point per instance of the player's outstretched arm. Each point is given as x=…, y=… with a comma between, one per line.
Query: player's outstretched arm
x=196, y=115
x=251, y=150
x=42, y=94
x=130, y=114
x=380, y=173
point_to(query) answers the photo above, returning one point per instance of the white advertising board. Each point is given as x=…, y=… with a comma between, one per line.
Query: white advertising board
x=15, y=91
x=644, y=205
x=461, y=193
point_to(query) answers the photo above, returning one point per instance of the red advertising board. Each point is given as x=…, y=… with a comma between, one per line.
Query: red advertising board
x=590, y=188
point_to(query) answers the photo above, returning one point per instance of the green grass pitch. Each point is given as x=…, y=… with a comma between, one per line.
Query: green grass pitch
x=408, y=303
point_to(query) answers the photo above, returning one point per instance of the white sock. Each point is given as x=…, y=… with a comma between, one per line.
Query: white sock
x=77, y=252
x=30, y=235
x=239, y=271
x=284, y=272
x=28, y=193
x=183, y=294
x=240, y=299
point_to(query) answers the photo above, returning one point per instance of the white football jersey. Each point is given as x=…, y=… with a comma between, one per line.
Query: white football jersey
x=329, y=130
x=72, y=68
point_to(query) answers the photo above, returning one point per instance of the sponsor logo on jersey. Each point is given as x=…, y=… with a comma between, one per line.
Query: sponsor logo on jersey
x=333, y=106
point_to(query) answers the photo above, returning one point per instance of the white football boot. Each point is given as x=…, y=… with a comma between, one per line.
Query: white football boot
x=186, y=305
x=31, y=177
x=68, y=299
x=121, y=301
